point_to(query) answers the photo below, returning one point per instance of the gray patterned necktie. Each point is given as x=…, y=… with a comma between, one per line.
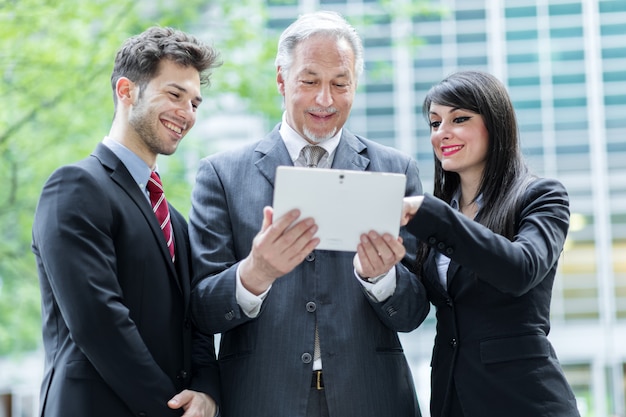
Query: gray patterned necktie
x=312, y=155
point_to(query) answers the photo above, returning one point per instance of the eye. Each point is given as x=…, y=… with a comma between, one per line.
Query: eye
x=434, y=124
x=461, y=119
x=174, y=94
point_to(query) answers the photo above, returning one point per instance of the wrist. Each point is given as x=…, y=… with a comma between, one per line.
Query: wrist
x=373, y=280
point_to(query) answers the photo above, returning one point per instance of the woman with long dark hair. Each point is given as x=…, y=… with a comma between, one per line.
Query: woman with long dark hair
x=491, y=236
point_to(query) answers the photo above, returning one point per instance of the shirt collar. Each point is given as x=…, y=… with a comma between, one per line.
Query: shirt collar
x=133, y=163
x=294, y=142
x=456, y=198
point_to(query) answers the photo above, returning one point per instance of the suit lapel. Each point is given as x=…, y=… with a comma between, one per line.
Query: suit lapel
x=272, y=153
x=452, y=269
x=350, y=153
x=180, y=245
x=431, y=275
x=121, y=176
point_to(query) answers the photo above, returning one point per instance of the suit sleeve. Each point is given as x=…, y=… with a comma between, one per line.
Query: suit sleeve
x=407, y=308
x=214, y=257
x=513, y=267
x=74, y=234
x=205, y=374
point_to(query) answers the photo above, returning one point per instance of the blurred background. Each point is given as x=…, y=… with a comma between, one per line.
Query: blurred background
x=563, y=61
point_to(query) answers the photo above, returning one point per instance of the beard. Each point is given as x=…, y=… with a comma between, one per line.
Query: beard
x=317, y=138
x=144, y=122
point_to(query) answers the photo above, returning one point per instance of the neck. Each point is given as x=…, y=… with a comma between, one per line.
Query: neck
x=469, y=193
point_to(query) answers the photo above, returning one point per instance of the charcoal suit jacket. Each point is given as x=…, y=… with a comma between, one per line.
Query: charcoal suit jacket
x=115, y=309
x=265, y=362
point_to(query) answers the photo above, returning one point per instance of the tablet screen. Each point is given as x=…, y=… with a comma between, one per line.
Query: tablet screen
x=344, y=203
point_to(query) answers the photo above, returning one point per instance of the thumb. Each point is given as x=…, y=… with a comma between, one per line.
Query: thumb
x=268, y=214
x=178, y=400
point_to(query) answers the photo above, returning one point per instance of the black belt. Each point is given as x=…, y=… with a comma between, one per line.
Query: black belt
x=317, y=381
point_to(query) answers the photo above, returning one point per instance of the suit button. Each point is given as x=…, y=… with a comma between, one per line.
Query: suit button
x=310, y=257
x=182, y=375
x=432, y=240
x=441, y=246
x=306, y=357
x=453, y=343
x=311, y=306
x=449, y=251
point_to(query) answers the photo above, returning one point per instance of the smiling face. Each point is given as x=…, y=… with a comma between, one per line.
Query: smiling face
x=460, y=140
x=319, y=87
x=163, y=111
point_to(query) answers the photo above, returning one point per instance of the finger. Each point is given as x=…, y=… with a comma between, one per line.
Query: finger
x=361, y=264
x=397, y=249
x=300, y=240
x=268, y=214
x=180, y=400
x=370, y=259
x=280, y=225
x=406, y=216
x=380, y=247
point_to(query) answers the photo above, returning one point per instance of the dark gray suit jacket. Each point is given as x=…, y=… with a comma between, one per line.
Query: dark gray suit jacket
x=494, y=318
x=265, y=362
x=116, y=326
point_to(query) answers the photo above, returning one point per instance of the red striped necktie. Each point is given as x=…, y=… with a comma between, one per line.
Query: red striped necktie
x=162, y=212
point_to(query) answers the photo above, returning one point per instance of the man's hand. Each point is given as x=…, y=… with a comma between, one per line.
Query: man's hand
x=195, y=404
x=277, y=249
x=377, y=254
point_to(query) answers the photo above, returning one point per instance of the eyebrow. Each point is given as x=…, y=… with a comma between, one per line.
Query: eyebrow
x=308, y=71
x=452, y=110
x=184, y=90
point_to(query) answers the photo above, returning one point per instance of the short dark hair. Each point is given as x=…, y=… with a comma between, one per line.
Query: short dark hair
x=139, y=56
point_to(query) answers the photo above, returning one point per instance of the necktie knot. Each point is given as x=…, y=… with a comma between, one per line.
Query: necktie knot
x=154, y=184
x=162, y=212
x=312, y=155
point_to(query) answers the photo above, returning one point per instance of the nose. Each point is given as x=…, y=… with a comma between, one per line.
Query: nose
x=441, y=132
x=324, y=97
x=186, y=111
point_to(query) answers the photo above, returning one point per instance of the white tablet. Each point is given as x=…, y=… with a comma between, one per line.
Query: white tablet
x=344, y=203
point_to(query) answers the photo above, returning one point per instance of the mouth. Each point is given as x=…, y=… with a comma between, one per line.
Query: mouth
x=450, y=150
x=171, y=126
x=322, y=114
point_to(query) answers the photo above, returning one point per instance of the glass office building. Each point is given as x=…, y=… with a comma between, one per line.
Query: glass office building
x=564, y=62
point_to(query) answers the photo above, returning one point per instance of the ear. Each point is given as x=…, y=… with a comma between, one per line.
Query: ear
x=125, y=90
x=280, y=81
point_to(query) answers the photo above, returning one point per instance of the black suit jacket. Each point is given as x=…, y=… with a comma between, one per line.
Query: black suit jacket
x=115, y=309
x=494, y=318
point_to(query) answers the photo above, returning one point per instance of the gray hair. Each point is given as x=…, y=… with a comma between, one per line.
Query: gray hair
x=308, y=25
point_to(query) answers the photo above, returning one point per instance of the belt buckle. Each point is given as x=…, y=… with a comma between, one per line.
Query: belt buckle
x=318, y=380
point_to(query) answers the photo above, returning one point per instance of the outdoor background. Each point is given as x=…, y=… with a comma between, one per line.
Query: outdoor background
x=564, y=62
